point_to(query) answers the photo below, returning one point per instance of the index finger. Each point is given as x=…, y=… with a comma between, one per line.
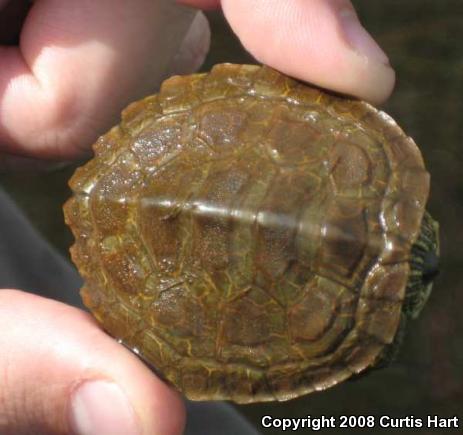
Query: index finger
x=78, y=63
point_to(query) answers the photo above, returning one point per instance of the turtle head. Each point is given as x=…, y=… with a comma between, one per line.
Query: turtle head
x=424, y=267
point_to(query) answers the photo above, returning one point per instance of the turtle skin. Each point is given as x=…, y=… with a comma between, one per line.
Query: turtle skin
x=249, y=235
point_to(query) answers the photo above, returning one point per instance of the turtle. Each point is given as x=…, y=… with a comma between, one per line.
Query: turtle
x=252, y=237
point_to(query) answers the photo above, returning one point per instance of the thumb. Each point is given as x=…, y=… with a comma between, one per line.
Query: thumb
x=61, y=374
x=319, y=41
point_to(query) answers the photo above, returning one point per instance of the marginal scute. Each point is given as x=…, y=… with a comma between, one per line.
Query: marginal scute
x=387, y=282
x=124, y=331
x=228, y=81
x=271, y=84
x=403, y=151
x=379, y=318
x=306, y=96
x=364, y=356
x=106, y=149
x=134, y=115
x=396, y=249
x=248, y=235
x=351, y=109
x=157, y=350
x=180, y=93
x=415, y=183
x=403, y=216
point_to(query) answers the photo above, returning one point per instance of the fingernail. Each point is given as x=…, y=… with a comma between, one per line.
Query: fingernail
x=101, y=407
x=358, y=38
x=194, y=47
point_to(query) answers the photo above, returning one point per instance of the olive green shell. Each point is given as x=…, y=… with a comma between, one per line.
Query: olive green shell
x=247, y=234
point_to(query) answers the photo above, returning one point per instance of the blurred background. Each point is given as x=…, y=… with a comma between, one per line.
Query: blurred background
x=424, y=40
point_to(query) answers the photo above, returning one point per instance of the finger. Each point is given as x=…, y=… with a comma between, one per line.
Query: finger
x=61, y=374
x=193, y=49
x=78, y=64
x=320, y=41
